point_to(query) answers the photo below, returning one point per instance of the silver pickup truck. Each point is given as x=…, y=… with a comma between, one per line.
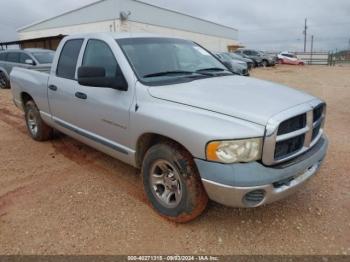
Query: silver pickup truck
x=170, y=108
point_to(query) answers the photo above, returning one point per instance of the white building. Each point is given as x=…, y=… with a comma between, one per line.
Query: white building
x=132, y=16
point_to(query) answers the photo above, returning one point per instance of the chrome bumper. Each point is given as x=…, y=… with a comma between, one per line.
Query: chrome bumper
x=250, y=195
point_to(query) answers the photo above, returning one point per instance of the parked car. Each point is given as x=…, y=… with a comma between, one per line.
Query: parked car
x=40, y=59
x=253, y=55
x=268, y=60
x=259, y=58
x=236, y=66
x=249, y=62
x=170, y=108
x=289, y=59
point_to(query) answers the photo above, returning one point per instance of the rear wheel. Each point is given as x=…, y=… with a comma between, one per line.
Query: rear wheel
x=4, y=82
x=172, y=183
x=37, y=128
x=264, y=63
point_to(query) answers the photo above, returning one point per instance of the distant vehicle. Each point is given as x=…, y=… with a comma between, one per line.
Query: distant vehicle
x=249, y=62
x=259, y=58
x=268, y=60
x=34, y=58
x=235, y=66
x=289, y=59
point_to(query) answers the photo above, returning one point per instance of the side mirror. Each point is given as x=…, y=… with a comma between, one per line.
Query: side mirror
x=29, y=62
x=96, y=77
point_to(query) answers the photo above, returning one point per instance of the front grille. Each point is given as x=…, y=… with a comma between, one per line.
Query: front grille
x=291, y=125
x=318, y=111
x=293, y=132
x=316, y=131
x=289, y=147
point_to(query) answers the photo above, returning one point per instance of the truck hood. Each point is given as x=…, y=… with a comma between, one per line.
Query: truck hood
x=241, y=97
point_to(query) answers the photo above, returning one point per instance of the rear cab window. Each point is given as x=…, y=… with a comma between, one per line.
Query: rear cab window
x=68, y=59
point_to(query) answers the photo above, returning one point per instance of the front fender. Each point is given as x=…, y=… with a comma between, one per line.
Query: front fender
x=191, y=127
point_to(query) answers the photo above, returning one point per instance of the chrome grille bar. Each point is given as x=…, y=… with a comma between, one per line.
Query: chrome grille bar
x=271, y=137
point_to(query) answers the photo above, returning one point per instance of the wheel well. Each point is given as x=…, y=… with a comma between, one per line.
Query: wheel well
x=25, y=97
x=146, y=141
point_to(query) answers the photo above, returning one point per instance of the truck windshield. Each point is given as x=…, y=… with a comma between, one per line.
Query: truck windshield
x=168, y=60
x=44, y=57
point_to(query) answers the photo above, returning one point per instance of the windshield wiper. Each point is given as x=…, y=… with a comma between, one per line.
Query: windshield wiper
x=217, y=69
x=167, y=73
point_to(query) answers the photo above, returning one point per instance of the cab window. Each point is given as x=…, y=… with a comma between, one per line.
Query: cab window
x=68, y=59
x=98, y=54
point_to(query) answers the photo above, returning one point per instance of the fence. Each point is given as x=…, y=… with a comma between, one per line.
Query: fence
x=320, y=58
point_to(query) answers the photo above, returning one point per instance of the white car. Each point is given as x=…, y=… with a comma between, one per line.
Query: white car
x=289, y=59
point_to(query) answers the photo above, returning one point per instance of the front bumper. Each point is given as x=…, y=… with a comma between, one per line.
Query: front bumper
x=253, y=184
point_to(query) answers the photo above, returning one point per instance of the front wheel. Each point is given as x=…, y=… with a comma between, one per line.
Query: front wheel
x=37, y=128
x=172, y=183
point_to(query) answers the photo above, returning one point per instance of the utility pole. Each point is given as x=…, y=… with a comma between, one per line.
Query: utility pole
x=312, y=47
x=305, y=34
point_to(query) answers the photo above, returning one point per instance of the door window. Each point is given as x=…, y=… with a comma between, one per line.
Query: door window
x=98, y=54
x=2, y=56
x=23, y=58
x=67, y=63
x=13, y=57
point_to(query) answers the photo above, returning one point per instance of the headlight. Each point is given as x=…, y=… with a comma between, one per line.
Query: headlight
x=235, y=151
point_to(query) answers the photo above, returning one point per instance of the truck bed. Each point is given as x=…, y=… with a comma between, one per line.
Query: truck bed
x=30, y=81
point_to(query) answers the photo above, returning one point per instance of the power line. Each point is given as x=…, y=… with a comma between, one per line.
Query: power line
x=292, y=27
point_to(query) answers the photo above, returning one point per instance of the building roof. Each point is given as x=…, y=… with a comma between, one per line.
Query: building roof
x=141, y=12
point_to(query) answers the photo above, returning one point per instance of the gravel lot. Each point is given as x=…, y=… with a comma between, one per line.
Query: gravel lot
x=62, y=197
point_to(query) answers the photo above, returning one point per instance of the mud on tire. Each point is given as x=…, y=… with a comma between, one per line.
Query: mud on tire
x=37, y=128
x=172, y=183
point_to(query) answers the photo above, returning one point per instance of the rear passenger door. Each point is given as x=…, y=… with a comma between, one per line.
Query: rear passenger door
x=63, y=85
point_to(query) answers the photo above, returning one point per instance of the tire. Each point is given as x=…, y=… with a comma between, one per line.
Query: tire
x=172, y=183
x=264, y=63
x=37, y=128
x=4, y=82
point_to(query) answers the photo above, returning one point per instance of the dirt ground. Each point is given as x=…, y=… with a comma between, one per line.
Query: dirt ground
x=62, y=197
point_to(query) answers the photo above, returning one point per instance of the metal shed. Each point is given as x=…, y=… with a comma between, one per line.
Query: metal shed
x=133, y=16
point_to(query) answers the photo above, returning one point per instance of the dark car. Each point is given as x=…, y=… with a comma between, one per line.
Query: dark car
x=259, y=58
x=236, y=66
x=249, y=62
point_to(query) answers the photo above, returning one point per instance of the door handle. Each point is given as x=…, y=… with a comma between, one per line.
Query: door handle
x=53, y=87
x=81, y=95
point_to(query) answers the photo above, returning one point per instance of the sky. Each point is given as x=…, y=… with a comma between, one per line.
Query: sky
x=271, y=25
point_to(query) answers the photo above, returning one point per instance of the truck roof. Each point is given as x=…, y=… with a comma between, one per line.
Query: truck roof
x=118, y=35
